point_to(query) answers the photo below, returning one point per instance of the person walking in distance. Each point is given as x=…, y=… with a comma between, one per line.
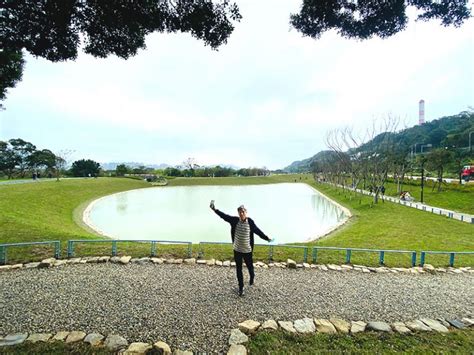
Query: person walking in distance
x=242, y=230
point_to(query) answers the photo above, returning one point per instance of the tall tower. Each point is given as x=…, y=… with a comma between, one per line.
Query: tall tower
x=421, y=112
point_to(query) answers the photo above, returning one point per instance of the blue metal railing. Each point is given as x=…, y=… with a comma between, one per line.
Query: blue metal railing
x=350, y=250
x=270, y=248
x=3, y=248
x=71, y=244
x=452, y=254
x=154, y=243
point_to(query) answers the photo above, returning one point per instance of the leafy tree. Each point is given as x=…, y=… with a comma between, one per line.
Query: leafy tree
x=41, y=158
x=121, y=170
x=22, y=151
x=172, y=172
x=85, y=168
x=8, y=159
x=11, y=69
x=56, y=29
x=363, y=19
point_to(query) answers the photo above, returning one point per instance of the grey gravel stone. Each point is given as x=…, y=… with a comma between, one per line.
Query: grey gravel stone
x=115, y=342
x=417, y=325
x=379, y=326
x=468, y=322
x=237, y=337
x=61, y=336
x=13, y=339
x=287, y=326
x=36, y=337
x=237, y=350
x=341, y=325
x=162, y=348
x=456, y=323
x=324, y=326
x=270, y=324
x=304, y=326
x=75, y=336
x=31, y=265
x=249, y=326
x=194, y=307
x=138, y=348
x=435, y=325
x=94, y=339
x=400, y=327
x=358, y=327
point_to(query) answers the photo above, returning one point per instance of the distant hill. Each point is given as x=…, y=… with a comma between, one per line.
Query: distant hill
x=302, y=166
x=113, y=165
x=450, y=132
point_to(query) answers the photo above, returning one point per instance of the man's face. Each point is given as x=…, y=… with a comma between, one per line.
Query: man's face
x=242, y=214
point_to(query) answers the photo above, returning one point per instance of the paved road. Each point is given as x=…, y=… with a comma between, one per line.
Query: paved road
x=194, y=307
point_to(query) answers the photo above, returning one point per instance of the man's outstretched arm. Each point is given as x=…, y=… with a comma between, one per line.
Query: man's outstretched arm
x=222, y=215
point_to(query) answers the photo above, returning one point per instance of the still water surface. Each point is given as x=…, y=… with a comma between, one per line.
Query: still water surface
x=288, y=212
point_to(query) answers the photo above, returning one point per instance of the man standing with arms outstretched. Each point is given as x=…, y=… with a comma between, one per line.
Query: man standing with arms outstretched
x=242, y=231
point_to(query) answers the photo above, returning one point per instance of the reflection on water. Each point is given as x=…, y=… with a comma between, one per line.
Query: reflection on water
x=288, y=212
x=122, y=202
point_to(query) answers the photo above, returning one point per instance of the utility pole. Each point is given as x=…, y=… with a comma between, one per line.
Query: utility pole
x=422, y=177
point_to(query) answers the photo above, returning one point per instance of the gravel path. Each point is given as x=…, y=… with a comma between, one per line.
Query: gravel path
x=193, y=307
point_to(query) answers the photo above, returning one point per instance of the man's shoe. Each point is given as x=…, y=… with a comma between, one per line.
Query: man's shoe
x=251, y=282
x=241, y=293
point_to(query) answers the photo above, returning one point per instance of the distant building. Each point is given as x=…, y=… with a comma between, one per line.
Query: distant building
x=421, y=112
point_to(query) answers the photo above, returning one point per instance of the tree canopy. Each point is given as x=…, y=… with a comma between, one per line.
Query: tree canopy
x=363, y=19
x=56, y=29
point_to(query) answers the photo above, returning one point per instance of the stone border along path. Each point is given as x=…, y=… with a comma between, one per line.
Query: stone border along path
x=192, y=304
x=463, y=217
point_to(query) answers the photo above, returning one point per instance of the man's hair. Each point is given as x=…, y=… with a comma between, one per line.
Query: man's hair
x=241, y=207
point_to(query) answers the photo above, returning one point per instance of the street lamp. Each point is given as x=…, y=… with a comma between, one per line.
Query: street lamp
x=429, y=145
x=470, y=146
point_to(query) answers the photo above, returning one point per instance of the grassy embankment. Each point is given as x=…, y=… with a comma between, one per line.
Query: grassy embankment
x=49, y=211
x=455, y=197
x=458, y=342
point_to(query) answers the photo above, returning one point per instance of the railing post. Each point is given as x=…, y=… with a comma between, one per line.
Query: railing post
x=315, y=254
x=190, y=249
x=382, y=257
x=201, y=252
x=348, y=256
x=70, y=248
x=451, y=259
x=413, y=258
x=270, y=253
x=153, y=248
x=114, y=248
x=57, y=250
x=305, y=258
x=422, y=258
x=3, y=255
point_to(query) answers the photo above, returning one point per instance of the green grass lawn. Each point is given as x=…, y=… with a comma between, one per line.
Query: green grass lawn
x=456, y=342
x=52, y=211
x=455, y=197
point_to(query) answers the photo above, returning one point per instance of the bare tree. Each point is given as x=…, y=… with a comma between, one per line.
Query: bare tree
x=61, y=161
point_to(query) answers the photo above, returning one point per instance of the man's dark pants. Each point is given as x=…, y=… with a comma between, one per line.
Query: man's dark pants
x=247, y=258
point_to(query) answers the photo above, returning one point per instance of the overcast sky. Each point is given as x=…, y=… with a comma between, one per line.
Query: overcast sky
x=266, y=98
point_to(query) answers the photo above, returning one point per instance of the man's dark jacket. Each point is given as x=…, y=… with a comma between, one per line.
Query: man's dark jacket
x=232, y=220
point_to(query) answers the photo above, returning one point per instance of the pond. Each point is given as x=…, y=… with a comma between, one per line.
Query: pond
x=288, y=212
